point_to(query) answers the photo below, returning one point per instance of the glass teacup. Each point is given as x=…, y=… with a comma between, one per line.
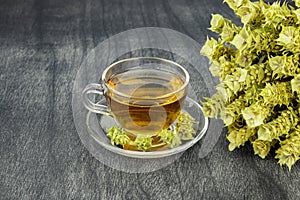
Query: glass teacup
x=144, y=95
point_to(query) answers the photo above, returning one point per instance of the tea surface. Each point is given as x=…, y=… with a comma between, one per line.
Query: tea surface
x=150, y=107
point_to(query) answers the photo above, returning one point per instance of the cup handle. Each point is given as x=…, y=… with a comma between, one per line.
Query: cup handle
x=94, y=88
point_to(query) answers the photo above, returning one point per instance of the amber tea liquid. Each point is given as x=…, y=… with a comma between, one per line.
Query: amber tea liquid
x=150, y=107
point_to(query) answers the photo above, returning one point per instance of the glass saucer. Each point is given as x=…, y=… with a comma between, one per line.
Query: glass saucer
x=98, y=124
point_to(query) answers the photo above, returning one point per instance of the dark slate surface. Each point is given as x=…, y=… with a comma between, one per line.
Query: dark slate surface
x=42, y=44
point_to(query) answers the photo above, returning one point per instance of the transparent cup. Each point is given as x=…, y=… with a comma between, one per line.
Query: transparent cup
x=144, y=95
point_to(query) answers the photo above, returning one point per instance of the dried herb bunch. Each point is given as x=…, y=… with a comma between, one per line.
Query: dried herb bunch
x=258, y=65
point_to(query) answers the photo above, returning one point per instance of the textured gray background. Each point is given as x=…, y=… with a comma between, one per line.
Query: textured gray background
x=42, y=44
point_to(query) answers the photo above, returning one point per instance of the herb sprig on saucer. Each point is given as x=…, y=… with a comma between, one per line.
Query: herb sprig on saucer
x=172, y=138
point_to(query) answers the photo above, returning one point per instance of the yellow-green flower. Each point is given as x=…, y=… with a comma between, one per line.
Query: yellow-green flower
x=261, y=147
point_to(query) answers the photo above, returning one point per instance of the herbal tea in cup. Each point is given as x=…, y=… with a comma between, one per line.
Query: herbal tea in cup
x=144, y=95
